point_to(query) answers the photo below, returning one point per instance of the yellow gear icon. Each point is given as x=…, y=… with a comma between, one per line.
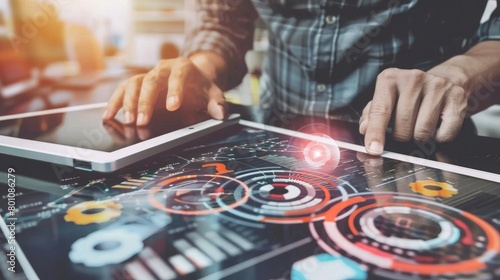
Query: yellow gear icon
x=433, y=188
x=91, y=212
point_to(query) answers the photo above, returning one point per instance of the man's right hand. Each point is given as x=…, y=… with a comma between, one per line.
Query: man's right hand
x=189, y=84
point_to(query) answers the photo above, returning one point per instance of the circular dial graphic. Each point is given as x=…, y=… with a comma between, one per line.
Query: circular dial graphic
x=283, y=196
x=323, y=153
x=405, y=234
x=197, y=194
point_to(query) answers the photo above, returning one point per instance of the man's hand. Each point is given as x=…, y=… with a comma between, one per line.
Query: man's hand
x=416, y=100
x=187, y=82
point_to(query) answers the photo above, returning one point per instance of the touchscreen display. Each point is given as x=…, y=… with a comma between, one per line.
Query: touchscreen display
x=244, y=203
x=85, y=128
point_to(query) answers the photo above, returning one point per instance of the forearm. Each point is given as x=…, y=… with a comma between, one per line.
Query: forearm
x=221, y=38
x=476, y=71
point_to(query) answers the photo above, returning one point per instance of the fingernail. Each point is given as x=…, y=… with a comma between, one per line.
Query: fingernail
x=128, y=117
x=106, y=115
x=375, y=148
x=172, y=102
x=220, y=114
x=141, y=119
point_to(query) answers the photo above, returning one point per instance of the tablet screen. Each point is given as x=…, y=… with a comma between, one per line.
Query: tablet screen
x=85, y=128
x=247, y=203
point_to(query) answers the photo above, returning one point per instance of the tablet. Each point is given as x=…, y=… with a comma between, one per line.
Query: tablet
x=77, y=136
x=257, y=202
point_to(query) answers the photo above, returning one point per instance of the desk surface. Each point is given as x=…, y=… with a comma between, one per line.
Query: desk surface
x=266, y=242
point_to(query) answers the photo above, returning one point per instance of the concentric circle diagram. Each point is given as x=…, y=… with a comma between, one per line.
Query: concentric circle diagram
x=90, y=212
x=201, y=194
x=393, y=233
x=284, y=197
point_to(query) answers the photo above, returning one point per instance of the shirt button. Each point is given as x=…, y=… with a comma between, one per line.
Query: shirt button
x=331, y=19
x=321, y=88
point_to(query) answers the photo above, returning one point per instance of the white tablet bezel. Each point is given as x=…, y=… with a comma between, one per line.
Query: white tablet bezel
x=94, y=160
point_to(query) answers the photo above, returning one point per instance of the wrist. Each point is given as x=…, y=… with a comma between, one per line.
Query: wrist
x=212, y=65
x=454, y=70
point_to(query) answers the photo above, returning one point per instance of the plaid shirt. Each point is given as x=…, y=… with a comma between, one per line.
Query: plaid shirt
x=326, y=54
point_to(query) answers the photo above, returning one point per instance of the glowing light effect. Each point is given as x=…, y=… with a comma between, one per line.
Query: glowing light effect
x=322, y=153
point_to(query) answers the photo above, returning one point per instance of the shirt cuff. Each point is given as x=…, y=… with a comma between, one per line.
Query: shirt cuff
x=489, y=30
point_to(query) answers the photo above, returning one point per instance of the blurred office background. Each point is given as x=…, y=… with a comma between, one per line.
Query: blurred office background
x=61, y=41
x=133, y=31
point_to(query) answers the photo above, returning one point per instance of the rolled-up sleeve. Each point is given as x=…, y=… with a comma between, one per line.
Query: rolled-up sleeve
x=490, y=30
x=225, y=27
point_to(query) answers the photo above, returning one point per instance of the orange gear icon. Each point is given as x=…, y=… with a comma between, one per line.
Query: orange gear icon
x=91, y=212
x=433, y=188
